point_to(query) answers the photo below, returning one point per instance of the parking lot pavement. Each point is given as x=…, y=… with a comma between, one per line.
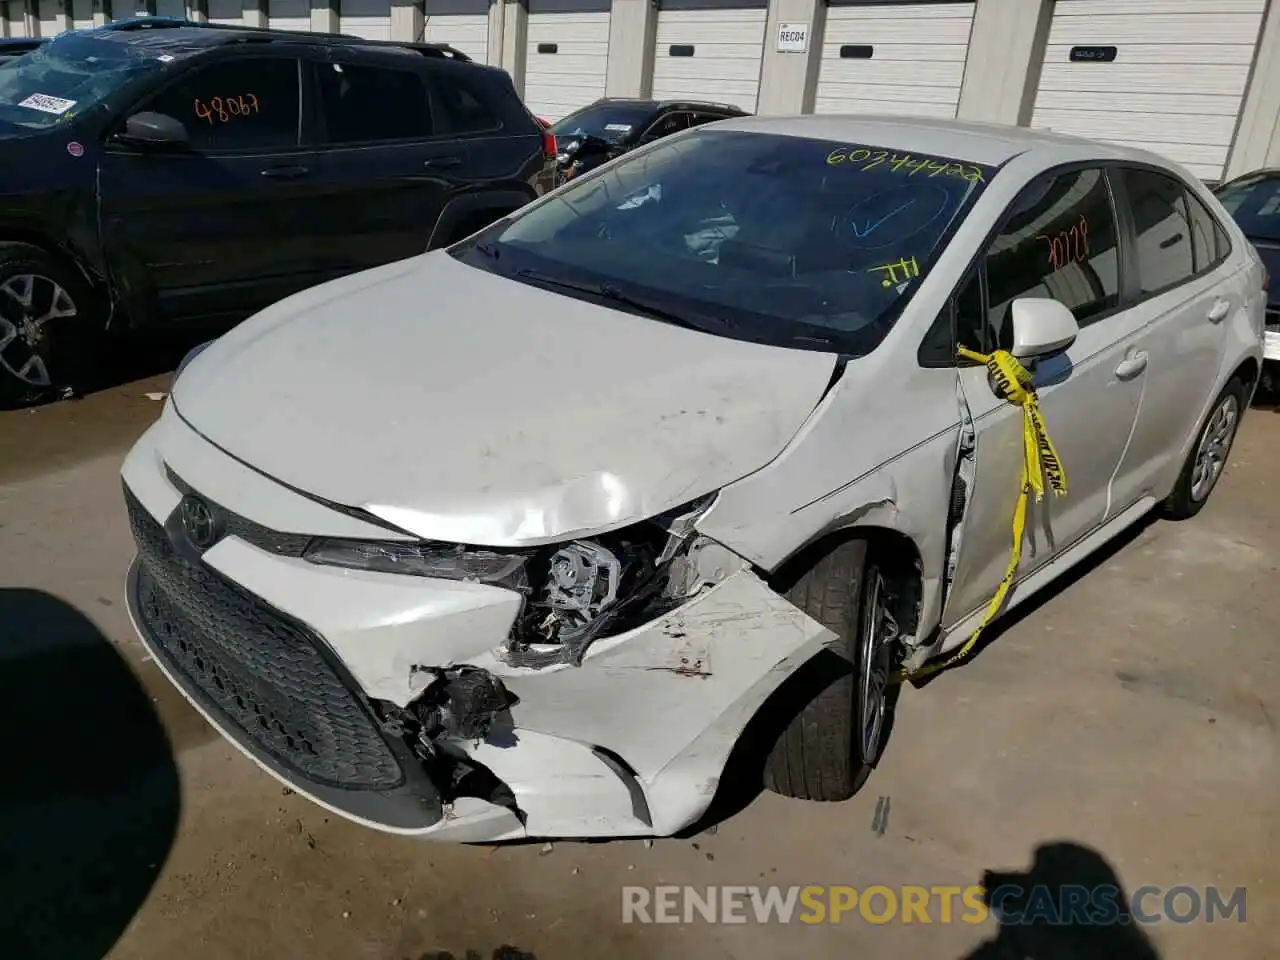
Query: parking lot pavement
x=1130, y=718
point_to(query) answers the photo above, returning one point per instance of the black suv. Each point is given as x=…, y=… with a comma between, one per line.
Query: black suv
x=611, y=126
x=160, y=172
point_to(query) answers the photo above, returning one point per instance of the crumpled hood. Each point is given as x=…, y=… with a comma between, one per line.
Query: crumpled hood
x=464, y=406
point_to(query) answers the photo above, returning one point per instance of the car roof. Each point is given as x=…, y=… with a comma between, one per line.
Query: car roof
x=667, y=104
x=182, y=36
x=986, y=143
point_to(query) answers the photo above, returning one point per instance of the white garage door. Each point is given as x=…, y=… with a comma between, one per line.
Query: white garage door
x=468, y=32
x=13, y=13
x=370, y=19
x=289, y=14
x=82, y=13
x=172, y=8
x=568, y=54
x=226, y=11
x=709, y=55
x=894, y=58
x=1164, y=75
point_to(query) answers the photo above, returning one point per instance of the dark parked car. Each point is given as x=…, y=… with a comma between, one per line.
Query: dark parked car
x=162, y=173
x=13, y=47
x=610, y=127
x=1254, y=201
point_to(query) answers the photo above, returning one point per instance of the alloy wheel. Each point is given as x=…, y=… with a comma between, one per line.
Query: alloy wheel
x=1215, y=444
x=29, y=302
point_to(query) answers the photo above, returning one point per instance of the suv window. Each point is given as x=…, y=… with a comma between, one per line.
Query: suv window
x=367, y=104
x=236, y=105
x=467, y=112
x=1058, y=240
x=1164, y=249
x=666, y=125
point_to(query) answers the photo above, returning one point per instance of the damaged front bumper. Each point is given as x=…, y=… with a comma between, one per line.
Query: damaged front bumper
x=310, y=671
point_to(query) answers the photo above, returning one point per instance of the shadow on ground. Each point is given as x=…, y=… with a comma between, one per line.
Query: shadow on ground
x=1069, y=905
x=743, y=777
x=90, y=795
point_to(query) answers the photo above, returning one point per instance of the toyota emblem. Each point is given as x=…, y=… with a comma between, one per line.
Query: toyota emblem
x=199, y=523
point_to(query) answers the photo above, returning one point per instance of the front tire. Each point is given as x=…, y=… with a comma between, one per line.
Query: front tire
x=827, y=752
x=45, y=323
x=1208, y=458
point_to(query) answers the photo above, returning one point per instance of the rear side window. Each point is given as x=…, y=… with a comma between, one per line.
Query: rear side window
x=1165, y=255
x=236, y=105
x=1204, y=236
x=1059, y=241
x=466, y=111
x=372, y=104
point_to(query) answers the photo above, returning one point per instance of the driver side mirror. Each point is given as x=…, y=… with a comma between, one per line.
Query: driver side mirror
x=1042, y=327
x=149, y=129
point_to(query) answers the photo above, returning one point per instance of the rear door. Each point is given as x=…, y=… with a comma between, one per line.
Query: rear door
x=221, y=226
x=387, y=167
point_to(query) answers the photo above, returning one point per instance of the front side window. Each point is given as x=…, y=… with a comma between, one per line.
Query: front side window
x=1165, y=255
x=607, y=120
x=237, y=105
x=671, y=123
x=68, y=75
x=787, y=240
x=1058, y=241
x=370, y=104
x=1254, y=203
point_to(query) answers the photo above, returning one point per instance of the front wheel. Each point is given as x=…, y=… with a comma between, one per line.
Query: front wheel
x=829, y=749
x=1208, y=457
x=43, y=322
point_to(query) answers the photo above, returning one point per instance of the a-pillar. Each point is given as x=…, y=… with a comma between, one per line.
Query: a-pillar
x=789, y=76
x=1257, y=142
x=1006, y=51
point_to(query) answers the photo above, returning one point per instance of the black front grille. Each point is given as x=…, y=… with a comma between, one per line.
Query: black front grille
x=262, y=671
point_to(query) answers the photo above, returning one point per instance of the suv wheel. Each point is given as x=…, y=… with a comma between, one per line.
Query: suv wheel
x=44, y=307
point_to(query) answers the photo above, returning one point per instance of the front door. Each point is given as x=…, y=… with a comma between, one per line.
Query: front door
x=386, y=173
x=1059, y=240
x=218, y=227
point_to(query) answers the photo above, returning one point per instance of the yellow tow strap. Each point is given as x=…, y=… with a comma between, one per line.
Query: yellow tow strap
x=1039, y=461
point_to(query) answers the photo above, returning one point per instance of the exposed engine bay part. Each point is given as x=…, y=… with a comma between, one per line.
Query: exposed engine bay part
x=460, y=703
x=608, y=584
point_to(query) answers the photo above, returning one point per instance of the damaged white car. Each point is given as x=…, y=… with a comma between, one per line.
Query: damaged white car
x=514, y=539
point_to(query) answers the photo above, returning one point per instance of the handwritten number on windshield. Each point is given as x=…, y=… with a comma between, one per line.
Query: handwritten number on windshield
x=931, y=166
x=225, y=109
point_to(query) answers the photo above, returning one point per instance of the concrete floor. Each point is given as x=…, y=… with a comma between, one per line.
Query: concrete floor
x=1133, y=713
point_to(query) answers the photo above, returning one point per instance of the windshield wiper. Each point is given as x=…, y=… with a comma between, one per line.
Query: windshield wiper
x=690, y=319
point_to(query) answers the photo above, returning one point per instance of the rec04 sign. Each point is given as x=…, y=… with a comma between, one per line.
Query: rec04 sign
x=793, y=37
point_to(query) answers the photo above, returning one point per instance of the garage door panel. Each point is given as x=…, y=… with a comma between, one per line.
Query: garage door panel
x=289, y=14
x=1227, y=80
x=556, y=84
x=1166, y=54
x=370, y=19
x=468, y=32
x=82, y=14
x=1058, y=100
x=1156, y=28
x=1115, y=125
x=1097, y=8
x=917, y=62
x=169, y=8
x=225, y=11
x=728, y=46
x=13, y=15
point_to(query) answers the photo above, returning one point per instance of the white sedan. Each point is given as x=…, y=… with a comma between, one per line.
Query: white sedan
x=514, y=539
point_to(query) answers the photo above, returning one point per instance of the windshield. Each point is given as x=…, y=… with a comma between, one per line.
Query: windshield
x=776, y=239
x=1255, y=205
x=611, y=122
x=64, y=77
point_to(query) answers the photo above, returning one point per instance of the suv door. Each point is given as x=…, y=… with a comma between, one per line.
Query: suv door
x=1181, y=298
x=218, y=227
x=385, y=171
x=1059, y=239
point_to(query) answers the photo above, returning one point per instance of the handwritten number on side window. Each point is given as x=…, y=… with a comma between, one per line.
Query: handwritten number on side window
x=224, y=109
x=1068, y=246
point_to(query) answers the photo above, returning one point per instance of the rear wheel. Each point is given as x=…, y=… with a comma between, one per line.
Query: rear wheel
x=1208, y=458
x=829, y=749
x=44, y=323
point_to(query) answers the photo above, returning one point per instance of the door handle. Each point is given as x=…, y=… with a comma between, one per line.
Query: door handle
x=440, y=163
x=285, y=173
x=1131, y=366
x=1219, y=311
